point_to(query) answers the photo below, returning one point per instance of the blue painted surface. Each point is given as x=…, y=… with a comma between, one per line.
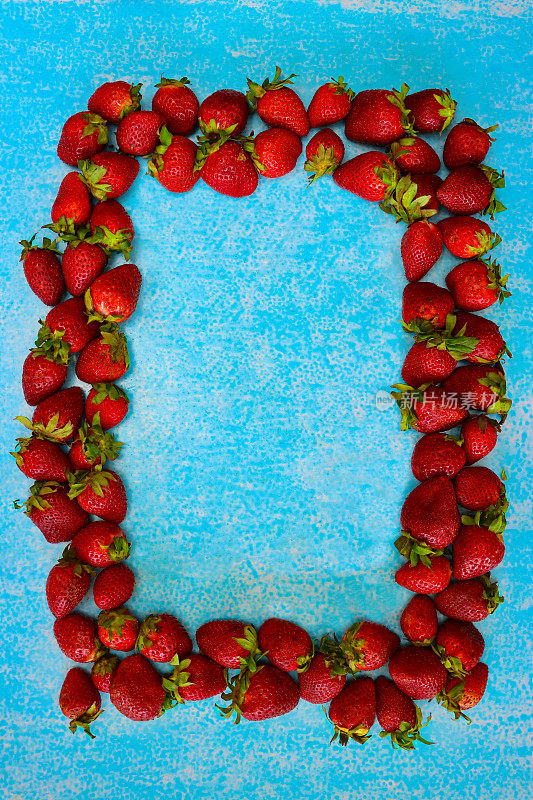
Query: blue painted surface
x=262, y=478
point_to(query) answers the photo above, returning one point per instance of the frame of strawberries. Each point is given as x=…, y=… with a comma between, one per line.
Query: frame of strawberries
x=451, y=523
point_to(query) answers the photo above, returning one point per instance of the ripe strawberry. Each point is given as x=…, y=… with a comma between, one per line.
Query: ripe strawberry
x=477, y=284
x=72, y=205
x=471, y=600
x=426, y=301
x=413, y=154
x=178, y=104
x=111, y=227
x=161, y=637
x=287, y=646
x=113, y=296
x=59, y=416
x=471, y=190
x=428, y=410
x=223, y=112
x=44, y=370
x=136, y=689
x=103, y=672
x=230, y=643
x=476, y=551
x=418, y=672
x=364, y=646
x=83, y=135
x=118, y=629
x=479, y=435
x=68, y=321
x=424, y=579
x=480, y=387
x=42, y=269
x=490, y=347
x=421, y=248
x=113, y=586
x=100, y=544
x=105, y=359
x=196, y=677
x=330, y=103
x=319, y=683
x=467, y=143
x=53, y=512
x=138, y=133
x=419, y=620
x=92, y=447
x=324, y=152
x=467, y=237
x=173, y=162
x=100, y=493
x=353, y=711
x=79, y=700
x=41, y=460
x=277, y=149
x=67, y=584
x=429, y=362
x=430, y=513
x=277, y=105
x=369, y=175
x=228, y=169
x=378, y=117
x=115, y=100
x=477, y=488
x=460, y=646
x=399, y=717
x=82, y=263
x=109, y=401
x=266, y=693
x=461, y=694
x=76, y=637
x=437, y=454
x=109, y=175
x=431, y=110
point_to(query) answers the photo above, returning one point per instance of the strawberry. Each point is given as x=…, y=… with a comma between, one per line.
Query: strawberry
x=324, y=152
x=67, y=584
x=111, y=227
x=369, y=175
x=173, y=161
x=428, y=410
x=79, y=700
x=109, y=175
x=101, y=544
x=68, y=322
x=330, y=103
x=426, y=187
x=223, y=112
x=399, y=717
x=479, y=435
x=413, y=154
x=490, y=347
x=364, y=646
x=113, y=586
x=477, y=284
x=418, y=672
x=461, y=694
x=100, y=493
x=471, y=600
x=471, y=190
x=42, y=270
x=44, y=370
x=53, y=512
x=138, y=133
x=423, y=578
x=460, y=646
x=228, y=169
x=467, y=237
x=319, y=683
x=82, y=263
x=467, y=143
x=277, y=105
x=77, y=638
x=480, y=387
x=92, y=447
x=353, y=711
x=118, y=629
x=105, y=359
x=421, y=248
x=431, y=110
x=59, y=416
x=72, y=205
x=103, y=672
x=378, y=117
x=419, y=620
x=429, y=362
x=176, y=102
x=230, y=643
x=109, y=401
x=41, y=460
x=136, y=689
x=83, y=135
x=476, y=551
x=477, y=488
x=287, y=646
x=437, y=454
x=265, y=693
x=196, y=677
x=430, y=514
x=113, y=296
x=115, y=100
x=278, y=150
x=161, y=637
x=426, y=301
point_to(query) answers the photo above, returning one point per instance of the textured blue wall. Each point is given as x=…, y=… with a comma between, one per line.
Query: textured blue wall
x=262, y=477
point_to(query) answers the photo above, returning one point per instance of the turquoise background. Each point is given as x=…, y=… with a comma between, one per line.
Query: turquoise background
x=262, y=476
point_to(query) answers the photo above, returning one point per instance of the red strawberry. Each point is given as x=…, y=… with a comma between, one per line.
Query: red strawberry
x=364, y=646
x=277, y=149
x=41, y=460
x=112, y=227
x=113, y=586
x=471, y=190
x=421, y=248
x=100, y=493
x=467, y=143
x=72, y=205
x=161, y=637
x=479, y=435
x=399, y=717
x=68, y=321
x=413, y=154
x=178, y=104
x=83, y=135
x=286, y=645
x=460, y=646
x=378, y=117
x=480, y=387
x=476, y=551
x=229, y=170
x=330, y=103
x=53, y=512
x=277, y=105
x=138, y=133
x=196, y=677
x=324, y=152
x=118, y=629
x=173, y=162
x=426, y=301
x=109, y=401
x=369, y=175
x=82, y=263
x=461, y=694
x=230, y=643
x=419, y=620
x=490, y=347
x=44, y=370
x=437, y=454
x=428, y=410
x=418, y=672
x=105, y=359
x=426, y=362
x=42, y=269
x=431, y=110
x=136, y=689
x=100, y=544
x=113, y=296
x=263, y=694
x=430, y=513
x=224, y=111
x=109, y=175
x=67, y=584
x=79, y=700
x=317, y=683
x=59, y=416
x=425, y=579
x=467, y=237
x=353, y=711
x=477, y=284
x=115, y=100
x=103, y=672
x=92, y=447
x=471, y=600
x=477, y=488
x=76, y=637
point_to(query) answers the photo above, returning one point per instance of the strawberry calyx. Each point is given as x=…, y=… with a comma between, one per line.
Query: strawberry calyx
x=47, y=244
x=21, y=446
x=109, y=391
x=340, y=87
x=490, y=129
x=114, y=621
x=405, y=735
x=497, y=181
x=97, y=480
x=399, y=148
x=357, y=734
x=207, y=145
x=491, y=593
x=451, y=699
x=85, y=720
x=173, y=82
x=388, y=175
x=448, y=106
x=495, y=381
x=397, y=98
x=457, y=344
x=64, y=227
x=322, y=163
x=405, y=397
x=248, y=146
x=493, y=517
x=256, y=90
x=415, y=550
x=50, y=431
x=496, y=281
x=177, y=679
x=98, y=444
x=37, y=498
x=69, y=558
x=111, y=242
x=453, y=664
x=403, y=204
x=147, y=631
x=155, y=164
x=211, y=130
x=486, y=242
x=95, y=124
x=93, y=177
x=51, y=345
x=135, y=100
x=111, y=335
x=345, y=655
